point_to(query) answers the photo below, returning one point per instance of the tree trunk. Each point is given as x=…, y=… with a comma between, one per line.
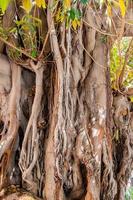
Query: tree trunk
x=64, y=134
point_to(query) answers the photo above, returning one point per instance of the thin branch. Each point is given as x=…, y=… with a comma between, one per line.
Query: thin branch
x=44, y=44
x=47, y=35
x=92, y=57
x=100, y=31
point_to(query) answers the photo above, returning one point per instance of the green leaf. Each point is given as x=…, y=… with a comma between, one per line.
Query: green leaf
x=34, y=53
x=77, y=14
x=71, y=14
x=84, y=1
x=74, y=14
x=4, y=4
x=13, y=30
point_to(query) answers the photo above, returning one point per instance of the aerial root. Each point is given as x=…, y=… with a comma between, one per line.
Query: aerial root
x=30, y=145
x=8, y=137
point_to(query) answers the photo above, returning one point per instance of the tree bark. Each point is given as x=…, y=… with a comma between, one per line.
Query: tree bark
x=65, y=134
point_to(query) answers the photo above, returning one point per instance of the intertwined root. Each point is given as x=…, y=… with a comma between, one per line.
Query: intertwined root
x=10, y=117
x=30, y=146
x=11, y=122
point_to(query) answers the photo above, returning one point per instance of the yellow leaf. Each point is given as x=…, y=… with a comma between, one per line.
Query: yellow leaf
x=58, y=15
x=109, y=10
x=75, y=23
x=41, y=3
x=62, y=17
x=78, y=22
x=122, y=7
x=27, y=5
x=67, y=4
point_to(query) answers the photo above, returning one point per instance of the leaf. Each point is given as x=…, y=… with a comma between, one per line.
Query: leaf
x=74, y=14
x=27, y=5
x=44, y=4
x=4, y=4
x=13, y=30
x=41, y=3
x=34, y=53
x=122, y=7
x=77, y=14
x=84, y=1
x=58, y=15
x=75, y=23
x=62, y=18
x=67, y=4
x=109, y=10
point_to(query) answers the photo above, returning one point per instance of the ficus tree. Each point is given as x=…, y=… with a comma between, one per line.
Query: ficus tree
x=66, y=87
